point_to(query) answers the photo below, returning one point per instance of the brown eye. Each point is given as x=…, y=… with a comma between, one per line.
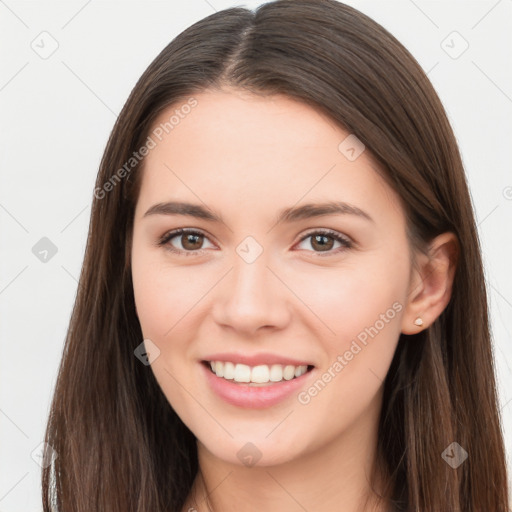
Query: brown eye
x=191, y=241
x=323, y=242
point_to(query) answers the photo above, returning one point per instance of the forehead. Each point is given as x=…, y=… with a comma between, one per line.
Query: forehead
x=244, y=121
x=237, y=148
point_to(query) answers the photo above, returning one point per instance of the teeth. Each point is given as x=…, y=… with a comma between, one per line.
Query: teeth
x=258, y=374
x=288, y=372
x=276, y=373
x=242, y=372
x=229, y=371
x=219, y=368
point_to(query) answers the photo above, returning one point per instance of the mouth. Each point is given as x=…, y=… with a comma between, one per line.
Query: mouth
x=260, y=375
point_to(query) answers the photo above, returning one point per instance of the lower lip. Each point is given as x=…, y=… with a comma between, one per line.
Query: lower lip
x=253, y=397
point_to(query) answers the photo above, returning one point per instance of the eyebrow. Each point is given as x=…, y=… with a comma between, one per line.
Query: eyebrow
x=291, y=214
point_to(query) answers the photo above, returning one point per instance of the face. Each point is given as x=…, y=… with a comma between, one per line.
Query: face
x=259, y=290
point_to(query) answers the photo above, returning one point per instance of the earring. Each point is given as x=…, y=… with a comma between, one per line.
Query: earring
x=418, y=321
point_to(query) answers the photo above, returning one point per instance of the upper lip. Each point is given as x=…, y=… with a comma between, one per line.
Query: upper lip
x=256, y=359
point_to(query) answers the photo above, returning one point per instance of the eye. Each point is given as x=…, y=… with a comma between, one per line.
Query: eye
x=190, y=240
x=324, y=240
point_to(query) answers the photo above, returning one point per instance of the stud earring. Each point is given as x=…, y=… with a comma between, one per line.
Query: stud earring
x=418, y=321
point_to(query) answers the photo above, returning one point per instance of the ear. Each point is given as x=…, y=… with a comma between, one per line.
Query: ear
x=431, y=283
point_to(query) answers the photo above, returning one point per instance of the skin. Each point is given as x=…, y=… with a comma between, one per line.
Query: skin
x=246, y=157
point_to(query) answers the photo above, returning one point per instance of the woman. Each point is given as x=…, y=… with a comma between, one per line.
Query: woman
x=282, y=304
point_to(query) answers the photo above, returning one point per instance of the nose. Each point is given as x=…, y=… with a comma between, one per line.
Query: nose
x=252, y=297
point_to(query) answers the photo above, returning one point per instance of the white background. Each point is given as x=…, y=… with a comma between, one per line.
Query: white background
x=57, y=113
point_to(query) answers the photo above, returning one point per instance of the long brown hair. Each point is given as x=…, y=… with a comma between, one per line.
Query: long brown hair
x=120, y=445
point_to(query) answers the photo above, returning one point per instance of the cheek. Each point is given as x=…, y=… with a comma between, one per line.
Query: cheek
x=360, y=308
x=349, y=299
x=362, y=312
x=164, y=294
x=165, y=297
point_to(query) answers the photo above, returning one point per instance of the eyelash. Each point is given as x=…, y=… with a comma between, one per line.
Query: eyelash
x=165, y=239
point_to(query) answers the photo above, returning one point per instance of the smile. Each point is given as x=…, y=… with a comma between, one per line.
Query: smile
x=259, y=374
x=261, y=392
